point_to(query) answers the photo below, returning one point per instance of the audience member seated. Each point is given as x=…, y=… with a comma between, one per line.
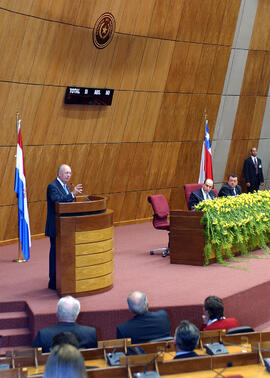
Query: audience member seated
x=65, y=338
x=145, y=325
x=203, y=194
x=65, y=361
x=186, y=339
x=231, y=188
x=213, y=317
x=68, y=309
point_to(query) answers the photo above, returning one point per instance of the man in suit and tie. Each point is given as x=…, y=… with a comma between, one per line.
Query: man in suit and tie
x=68, y=309
x=205, y=193
x=253, y=172
x=145, y=325
x=57, y=191
x=231, y=188
x=186, y=339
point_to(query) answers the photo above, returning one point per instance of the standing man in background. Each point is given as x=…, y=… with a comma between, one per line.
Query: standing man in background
x=57, y=191
x=253, y=172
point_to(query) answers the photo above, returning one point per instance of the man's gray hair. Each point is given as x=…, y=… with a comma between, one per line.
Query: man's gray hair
x=68, y=308
x=186, y=336
x=137, y=302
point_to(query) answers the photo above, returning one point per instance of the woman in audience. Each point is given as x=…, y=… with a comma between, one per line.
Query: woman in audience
x=65, y=361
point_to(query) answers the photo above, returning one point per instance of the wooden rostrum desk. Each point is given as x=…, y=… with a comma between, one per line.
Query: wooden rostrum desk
x=84, y=246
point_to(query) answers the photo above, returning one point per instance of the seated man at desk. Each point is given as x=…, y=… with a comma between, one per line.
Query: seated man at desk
x=213, y=316
x=231, y=188
x=186, y=339
x=205, y=193
x=145, y=325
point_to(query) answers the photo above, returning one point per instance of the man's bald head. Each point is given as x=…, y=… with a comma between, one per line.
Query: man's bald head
x=137, y=302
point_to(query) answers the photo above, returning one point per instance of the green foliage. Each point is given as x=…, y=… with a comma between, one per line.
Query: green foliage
x=239, y=223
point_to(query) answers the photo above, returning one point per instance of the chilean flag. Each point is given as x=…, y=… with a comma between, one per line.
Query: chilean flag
x=206, y=170
x=20, y=189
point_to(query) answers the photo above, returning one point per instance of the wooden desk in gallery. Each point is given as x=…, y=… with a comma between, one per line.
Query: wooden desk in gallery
x=84, y=246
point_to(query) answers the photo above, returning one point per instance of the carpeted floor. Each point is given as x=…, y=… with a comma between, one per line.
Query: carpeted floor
x=180, y=289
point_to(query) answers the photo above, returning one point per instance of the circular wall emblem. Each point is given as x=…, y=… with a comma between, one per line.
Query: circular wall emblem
x=103, y=30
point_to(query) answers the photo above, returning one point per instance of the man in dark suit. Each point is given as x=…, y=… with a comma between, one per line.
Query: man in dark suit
x=57, y=191
x=68, y=309
x=145, y=325
x=185, y=340
x=231, y=188
x=205, y=193
x=253, y=172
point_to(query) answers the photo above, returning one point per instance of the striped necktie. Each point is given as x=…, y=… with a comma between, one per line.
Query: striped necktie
x=66, y=189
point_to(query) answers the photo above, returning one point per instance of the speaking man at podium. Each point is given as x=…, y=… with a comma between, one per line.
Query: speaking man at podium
x=57, y=191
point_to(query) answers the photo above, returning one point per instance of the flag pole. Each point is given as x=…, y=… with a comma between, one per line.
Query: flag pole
x=19, y=259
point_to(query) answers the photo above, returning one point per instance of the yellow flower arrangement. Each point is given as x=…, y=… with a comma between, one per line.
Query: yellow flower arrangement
x=239, y=223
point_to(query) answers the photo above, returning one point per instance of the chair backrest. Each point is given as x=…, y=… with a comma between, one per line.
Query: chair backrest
x=189, y=188
x=242, y=329
x=161, y=211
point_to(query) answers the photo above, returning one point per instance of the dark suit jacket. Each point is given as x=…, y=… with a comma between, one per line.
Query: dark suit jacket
x=186, y=355
x=227, y=191
x=86, y=336
x=250, y=171
x=55, y=193
x=146, y=327
x=197, y=196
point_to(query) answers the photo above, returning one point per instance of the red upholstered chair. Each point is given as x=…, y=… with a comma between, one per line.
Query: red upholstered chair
x=189, y=188
x=160, y=218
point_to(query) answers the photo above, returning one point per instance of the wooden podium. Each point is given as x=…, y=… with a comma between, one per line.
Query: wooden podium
x=84, y=246
x=186, y=238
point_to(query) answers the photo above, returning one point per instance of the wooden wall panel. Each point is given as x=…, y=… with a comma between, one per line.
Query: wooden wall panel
x=219, y=69
x=12, y=34
x=165, y=119
x=122, y=170
x=139, y=166
x=249, y=117
x=178, y=61
x=143, y=20
x=133, y=63
x=229, y=21
x=215, y=20
x=5, y=155
x=189, y=69
x=264, y=80
x=253, y=73
x=177, y=199
x=23, y=6
x=12, y=104
x=148, y=64
x=168, y=165
x=187, y=170
x=129, y=16
x=152, y=108
x=152, y=174
x=107, y=170
x=260, y=39
x=11, y=228
x=205, y=68
x=115, y=202
x=129, y=206
x=159, y=17
x=162, y=66
x=136, y=114
x=173, y=18
x=65, y=11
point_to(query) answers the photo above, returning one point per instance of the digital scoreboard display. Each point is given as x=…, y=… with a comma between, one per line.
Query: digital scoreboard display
x=88, y=96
